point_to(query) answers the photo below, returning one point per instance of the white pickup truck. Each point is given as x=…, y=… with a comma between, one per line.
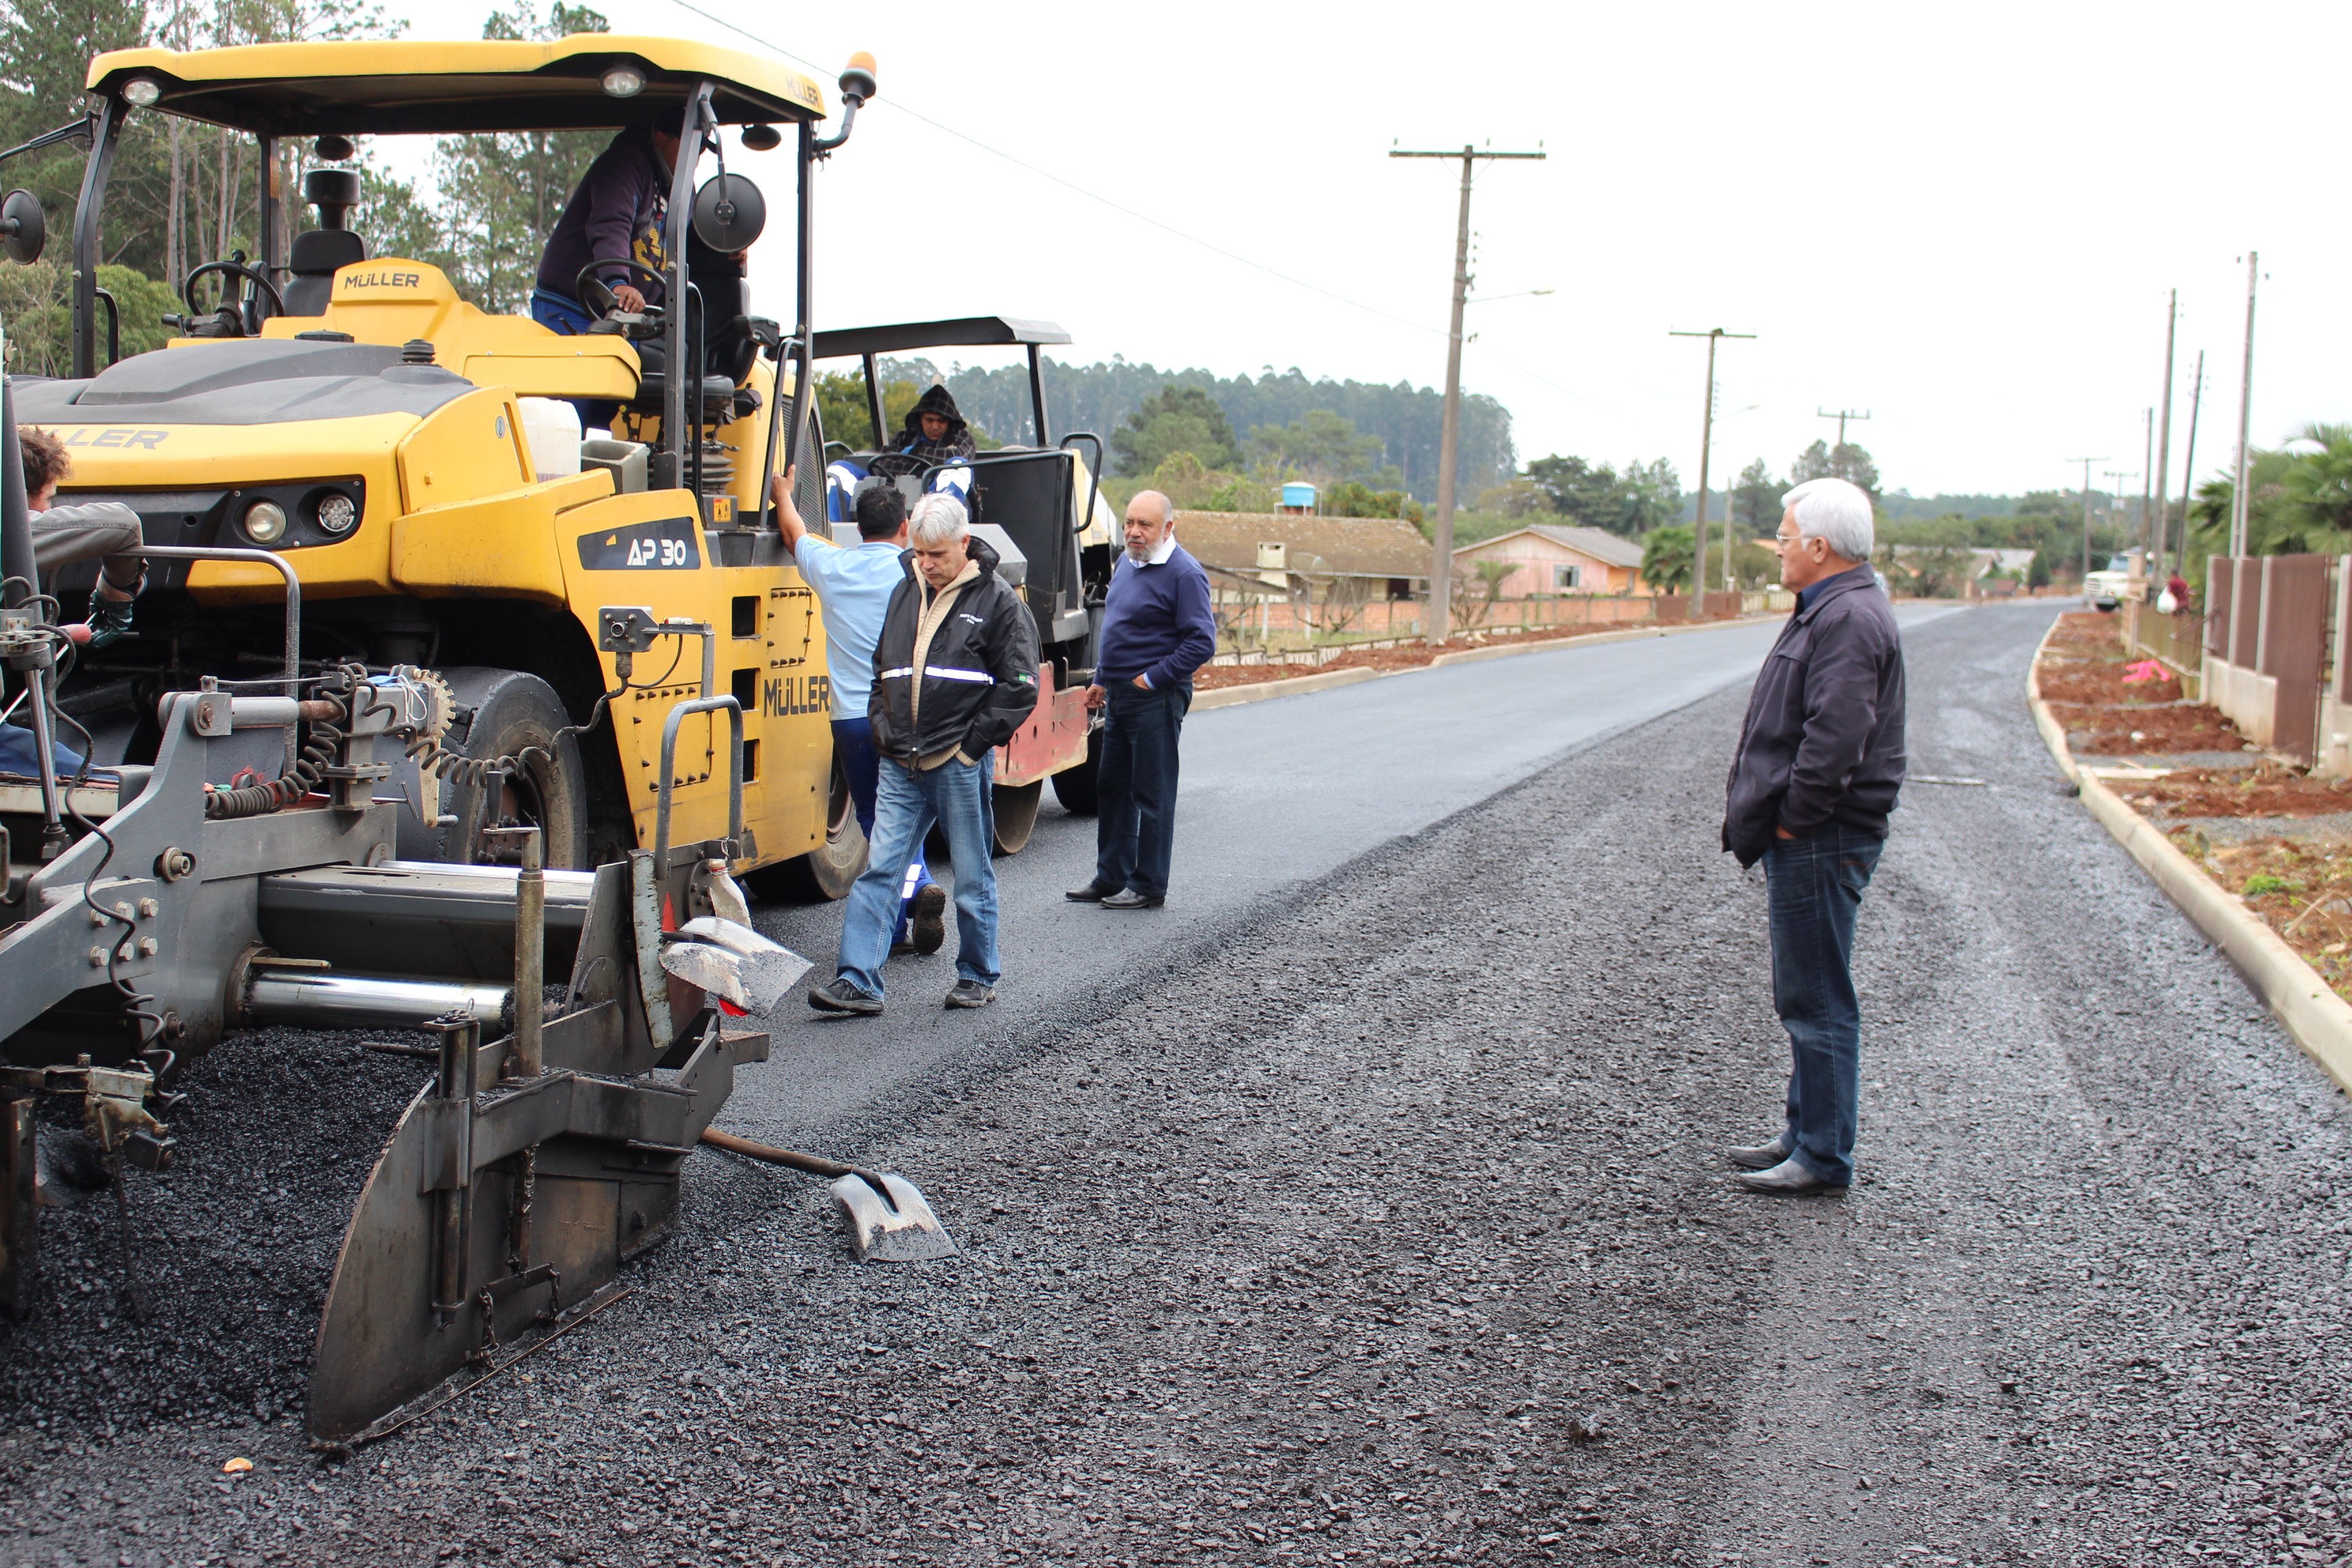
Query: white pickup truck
x=2107, y=589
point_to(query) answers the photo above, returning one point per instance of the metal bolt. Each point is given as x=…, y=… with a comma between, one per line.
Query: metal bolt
x=97, y=958
x=124, y=909
x=148, y=946
x=149, y=909
x=97, y=917
x=126, y=953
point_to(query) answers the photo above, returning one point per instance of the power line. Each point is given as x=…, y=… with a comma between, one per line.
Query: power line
x=1146, y=219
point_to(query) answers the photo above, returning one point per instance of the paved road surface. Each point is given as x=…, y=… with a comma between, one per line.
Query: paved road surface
x=1385, y=1224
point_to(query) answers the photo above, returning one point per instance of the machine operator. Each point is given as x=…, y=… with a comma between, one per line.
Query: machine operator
x=618, y=212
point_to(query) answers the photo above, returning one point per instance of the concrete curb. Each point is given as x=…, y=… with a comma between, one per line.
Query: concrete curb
x=1323, y=680
x=2320, y=1020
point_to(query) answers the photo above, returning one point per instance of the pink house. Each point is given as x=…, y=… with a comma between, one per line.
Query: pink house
x=1558, y=560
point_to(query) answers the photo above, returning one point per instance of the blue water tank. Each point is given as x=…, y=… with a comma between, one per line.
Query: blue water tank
x=1299, y=494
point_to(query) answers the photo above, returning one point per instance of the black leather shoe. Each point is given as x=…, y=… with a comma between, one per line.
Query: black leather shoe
x=926, y=925
x=1092, y=893
x=1759, y=1156
x=1786, y=1180
x=1128, y=898
x=838, y=995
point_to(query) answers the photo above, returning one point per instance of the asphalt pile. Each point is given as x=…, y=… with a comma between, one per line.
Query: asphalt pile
x=1392, y=1231
x=208, y=1313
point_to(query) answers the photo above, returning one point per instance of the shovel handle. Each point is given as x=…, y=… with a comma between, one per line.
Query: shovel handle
x=815, y=1164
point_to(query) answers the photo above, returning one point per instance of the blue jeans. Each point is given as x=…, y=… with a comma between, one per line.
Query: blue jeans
x=853, y=742
x=907, y=802
x=567, y=317
x=1815, y=887
x=1135, y=823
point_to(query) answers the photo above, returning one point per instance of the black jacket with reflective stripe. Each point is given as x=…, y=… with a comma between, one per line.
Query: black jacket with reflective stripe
x=979, y=676
x=1823, y=740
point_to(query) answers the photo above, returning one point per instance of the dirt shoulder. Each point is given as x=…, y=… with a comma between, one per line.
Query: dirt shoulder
x=2273, y=835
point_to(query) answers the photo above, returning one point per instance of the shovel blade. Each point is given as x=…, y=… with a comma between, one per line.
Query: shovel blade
x=903, y=1230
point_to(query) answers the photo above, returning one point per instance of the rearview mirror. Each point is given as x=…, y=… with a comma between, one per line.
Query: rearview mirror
x=729, y=213
x=24, y=229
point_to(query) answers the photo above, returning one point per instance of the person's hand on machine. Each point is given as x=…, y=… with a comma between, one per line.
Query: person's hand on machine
x=627, y=297
x=780, y=500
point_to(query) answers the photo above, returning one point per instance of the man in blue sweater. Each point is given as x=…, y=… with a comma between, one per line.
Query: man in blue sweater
x=1157, y=630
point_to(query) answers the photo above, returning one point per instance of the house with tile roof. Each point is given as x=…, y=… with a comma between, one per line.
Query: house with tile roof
x=1553, y=559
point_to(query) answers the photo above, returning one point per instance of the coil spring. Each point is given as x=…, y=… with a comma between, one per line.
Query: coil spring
x=308, y=769
x=456, y=767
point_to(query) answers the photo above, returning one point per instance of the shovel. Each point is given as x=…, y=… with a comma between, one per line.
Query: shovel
x=889, y=1220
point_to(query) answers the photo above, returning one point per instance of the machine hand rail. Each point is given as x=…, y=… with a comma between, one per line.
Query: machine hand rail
x=781, y=414
x=1094, y=491
x=666, y=783
x=113, y=323
x=285, y=569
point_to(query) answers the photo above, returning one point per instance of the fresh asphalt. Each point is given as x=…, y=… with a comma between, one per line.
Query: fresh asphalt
x=1367, y=1207
x=1275, y=795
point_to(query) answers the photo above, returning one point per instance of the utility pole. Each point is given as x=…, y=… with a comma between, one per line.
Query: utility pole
x=2086, y=463
x=2189, y=462
x=2238, y=508
x=2147, y=479
x=2164, y=440
x=1449, y=443
x=1713, y=335
x=2116, y=478
x=1841, y=416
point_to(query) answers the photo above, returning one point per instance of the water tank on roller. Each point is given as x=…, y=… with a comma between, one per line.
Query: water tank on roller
x=1298, y=496
x=550, y=428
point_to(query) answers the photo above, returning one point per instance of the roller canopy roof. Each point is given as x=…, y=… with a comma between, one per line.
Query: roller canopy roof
x=404, y=87
x=970, y=332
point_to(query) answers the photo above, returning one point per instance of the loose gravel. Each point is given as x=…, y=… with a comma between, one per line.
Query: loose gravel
x=1391, y=1230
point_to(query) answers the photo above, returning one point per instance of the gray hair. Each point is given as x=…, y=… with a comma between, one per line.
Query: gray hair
x=938, y=519
x=1837, y=512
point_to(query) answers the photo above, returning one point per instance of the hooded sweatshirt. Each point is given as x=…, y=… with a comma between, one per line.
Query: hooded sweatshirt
x=957, y=443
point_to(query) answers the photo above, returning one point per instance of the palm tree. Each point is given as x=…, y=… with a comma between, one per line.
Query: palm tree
x=1666, y=559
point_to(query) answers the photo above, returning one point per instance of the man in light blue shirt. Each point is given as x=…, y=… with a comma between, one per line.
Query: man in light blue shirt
x=853, y=589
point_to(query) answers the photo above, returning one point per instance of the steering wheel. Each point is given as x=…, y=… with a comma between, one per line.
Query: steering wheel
x=596, y=294
x=896, y=465
x=233, y=317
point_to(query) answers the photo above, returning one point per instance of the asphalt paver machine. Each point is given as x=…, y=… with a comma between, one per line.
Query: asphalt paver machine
x=421, y=727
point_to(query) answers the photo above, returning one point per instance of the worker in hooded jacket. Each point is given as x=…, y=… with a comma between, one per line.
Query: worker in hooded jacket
x=955, y=674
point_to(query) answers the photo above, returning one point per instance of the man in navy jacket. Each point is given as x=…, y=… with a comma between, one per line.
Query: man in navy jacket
x=1819, y=767
x=1157, y=630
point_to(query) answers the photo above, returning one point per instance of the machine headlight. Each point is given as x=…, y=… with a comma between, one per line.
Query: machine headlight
x=625, y=81
x=264, y=523
x=336, y=512
x=141, y=92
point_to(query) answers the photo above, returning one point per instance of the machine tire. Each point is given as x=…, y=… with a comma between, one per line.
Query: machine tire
x=827, y=872
x=1015, y=810
x=511, y=709
x=1075, y=786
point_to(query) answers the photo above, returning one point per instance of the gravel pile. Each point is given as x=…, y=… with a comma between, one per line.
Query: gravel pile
x=1395, y=1234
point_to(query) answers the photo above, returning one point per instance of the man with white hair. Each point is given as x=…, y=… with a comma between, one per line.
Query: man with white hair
x=1812, y=784
x=955, y=674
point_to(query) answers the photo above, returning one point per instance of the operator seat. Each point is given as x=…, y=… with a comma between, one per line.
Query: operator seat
x=319, y=252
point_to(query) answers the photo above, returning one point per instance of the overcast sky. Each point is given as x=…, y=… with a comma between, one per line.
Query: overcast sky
x=1963, y=220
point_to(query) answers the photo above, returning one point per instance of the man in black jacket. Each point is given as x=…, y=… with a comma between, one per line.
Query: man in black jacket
x=955, y=674
x=1819, y=766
